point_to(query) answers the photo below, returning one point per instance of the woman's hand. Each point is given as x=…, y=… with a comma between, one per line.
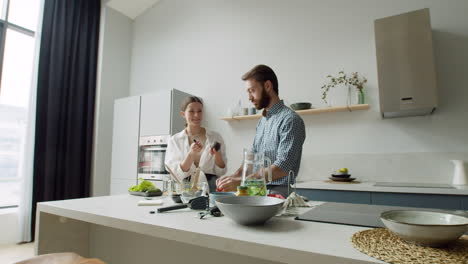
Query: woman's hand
x=215, y=147
x=216, y=153
x=195, y=148
x=213, y=152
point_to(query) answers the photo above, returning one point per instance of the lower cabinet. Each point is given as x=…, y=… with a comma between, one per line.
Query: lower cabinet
x=336, y=196
x=440, y=201
x=464, y=201
x=452, y=202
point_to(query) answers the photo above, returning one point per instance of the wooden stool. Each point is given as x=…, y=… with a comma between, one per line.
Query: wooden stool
x=61, y=258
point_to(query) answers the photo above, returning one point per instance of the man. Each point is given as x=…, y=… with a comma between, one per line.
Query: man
x=280, y=133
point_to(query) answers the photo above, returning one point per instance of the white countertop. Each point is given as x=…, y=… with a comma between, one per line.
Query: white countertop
x=281, y=239
x=369, y=187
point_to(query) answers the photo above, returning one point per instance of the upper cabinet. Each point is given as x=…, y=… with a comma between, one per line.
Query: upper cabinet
x=160, y=113
x=155, y=116
x=177, y=121
x=405, y=64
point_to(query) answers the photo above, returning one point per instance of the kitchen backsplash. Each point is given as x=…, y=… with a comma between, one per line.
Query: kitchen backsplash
x=389, y=167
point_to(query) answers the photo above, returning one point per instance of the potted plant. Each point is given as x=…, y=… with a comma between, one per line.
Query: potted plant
x=353, y=80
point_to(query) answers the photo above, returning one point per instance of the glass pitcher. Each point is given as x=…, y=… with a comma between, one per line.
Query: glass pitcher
x=253, y=173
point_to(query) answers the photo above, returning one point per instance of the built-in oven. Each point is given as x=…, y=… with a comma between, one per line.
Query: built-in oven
x=151, y=155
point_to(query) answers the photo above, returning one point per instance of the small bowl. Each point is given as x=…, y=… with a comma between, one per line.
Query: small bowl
x=341, y=175
x=249, y=210
x=216, y=195
x=426, y=228
x=176, y=198
x=301, y=106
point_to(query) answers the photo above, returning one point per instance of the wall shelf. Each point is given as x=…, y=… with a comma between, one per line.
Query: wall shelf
x=333, y=109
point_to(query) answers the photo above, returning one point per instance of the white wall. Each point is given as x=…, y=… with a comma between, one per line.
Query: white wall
x=113, y=82
x=204, y=46
x=9, y=227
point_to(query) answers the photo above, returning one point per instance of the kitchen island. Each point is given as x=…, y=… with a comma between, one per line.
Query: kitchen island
x=116, y=230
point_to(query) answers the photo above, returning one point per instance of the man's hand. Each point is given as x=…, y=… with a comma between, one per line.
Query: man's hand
x=228, y=183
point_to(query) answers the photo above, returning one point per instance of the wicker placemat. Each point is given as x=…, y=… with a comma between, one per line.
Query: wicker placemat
x=330, y=181
x=381, y=244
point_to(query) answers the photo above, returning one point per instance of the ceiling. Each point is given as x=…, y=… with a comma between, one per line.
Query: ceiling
x=131, y=8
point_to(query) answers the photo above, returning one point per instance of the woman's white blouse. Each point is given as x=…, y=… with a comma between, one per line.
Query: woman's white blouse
x=178, y=147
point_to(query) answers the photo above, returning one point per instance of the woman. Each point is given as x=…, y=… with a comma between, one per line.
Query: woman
x=195, y=146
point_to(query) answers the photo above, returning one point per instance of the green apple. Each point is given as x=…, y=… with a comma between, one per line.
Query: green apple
x=344, y=170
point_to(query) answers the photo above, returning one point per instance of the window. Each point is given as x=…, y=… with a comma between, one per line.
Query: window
x=18, y=21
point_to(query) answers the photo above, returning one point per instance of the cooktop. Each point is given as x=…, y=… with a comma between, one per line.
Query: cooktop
x=413, y=184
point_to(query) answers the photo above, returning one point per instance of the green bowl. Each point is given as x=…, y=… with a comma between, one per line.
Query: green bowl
x=301, y=106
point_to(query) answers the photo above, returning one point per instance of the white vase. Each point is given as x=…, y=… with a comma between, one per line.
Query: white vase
x=459, y=173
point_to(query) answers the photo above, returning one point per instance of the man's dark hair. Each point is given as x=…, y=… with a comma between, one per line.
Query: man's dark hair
x=262, y=73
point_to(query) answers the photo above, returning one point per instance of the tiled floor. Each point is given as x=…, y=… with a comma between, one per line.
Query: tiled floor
x=14, y=253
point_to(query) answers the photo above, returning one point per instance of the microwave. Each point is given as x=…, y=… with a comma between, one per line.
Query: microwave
x=151, y=155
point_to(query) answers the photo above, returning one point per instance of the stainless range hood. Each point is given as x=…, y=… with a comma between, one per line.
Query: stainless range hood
x=405, y=64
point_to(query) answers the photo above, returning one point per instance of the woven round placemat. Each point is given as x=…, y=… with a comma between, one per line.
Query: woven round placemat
x=382, y=244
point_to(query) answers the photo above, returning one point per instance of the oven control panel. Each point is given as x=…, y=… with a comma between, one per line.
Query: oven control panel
x=154, y=140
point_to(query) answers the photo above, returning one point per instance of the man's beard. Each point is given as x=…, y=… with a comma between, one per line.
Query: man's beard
x=264, y=99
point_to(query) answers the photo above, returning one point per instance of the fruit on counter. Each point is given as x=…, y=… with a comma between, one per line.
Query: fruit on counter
x=144, y=186
x=343, y=170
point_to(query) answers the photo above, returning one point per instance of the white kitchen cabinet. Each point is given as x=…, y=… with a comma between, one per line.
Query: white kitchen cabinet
x=160, y=113
x=155, y=118
x=119, y=186
x=125, y=138
x=177, y=121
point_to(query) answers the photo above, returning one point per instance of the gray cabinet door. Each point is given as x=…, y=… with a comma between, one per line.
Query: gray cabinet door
x=464, y=201
x=125, y=138
x=155, y=113
x=177, y=121
x=336, y=196
x=451, y=202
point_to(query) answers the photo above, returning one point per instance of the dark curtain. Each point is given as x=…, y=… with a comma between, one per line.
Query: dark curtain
x=65, y=101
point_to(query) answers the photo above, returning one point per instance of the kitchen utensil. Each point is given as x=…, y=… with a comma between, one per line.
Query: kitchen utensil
x=459, y=174
x=253, y=176
x=195, y=179
x=249, y=210
x=172, y=173
x=425, y=228
x=198, y=203
x=301, y=106
x=214, y=211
